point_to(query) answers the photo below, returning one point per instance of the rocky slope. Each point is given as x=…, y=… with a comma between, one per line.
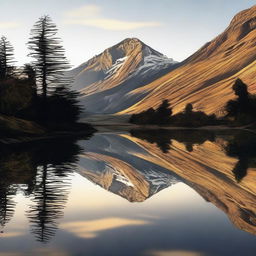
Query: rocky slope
x=107, y=79
x=205, y=78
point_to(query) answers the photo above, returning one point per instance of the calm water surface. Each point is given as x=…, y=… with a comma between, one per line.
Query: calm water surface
x=154, y=193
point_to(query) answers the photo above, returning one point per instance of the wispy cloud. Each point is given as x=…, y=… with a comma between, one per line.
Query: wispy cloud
x=91, y=15
x=8, y=25
x=92, y=228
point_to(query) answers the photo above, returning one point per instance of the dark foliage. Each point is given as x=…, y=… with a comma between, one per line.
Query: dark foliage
x=242, y=146
x=6, y=59
x=16, y=95
x=160, y=116
x=163, y=113
x=163, y=116
x=62, y=109
x=163, y=138
x=55, y=104
x=188, y=109
x=240, y=89
x=41, y=92
x=30, y=73
x=242, y=110
x=50, y=61
x=190, y=118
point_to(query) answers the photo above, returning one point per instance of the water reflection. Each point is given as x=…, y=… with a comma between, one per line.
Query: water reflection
x=139, y=165
x=163, y=138
x=7, y=204
x=242, y=146
x=221, y=169
x=40, y=171
x=220, y=166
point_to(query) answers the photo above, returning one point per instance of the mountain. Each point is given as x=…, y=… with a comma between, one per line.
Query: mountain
x=205, y=79
x=107, y=162
x=107, y=79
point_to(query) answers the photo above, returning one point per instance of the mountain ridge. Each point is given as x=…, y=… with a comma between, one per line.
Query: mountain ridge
x=111, y=75
x=131, y=77
x=205, y=78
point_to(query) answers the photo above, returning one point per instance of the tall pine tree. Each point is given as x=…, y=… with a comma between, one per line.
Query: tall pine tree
x=6, y=58
x=50, y=65
x=49, y=62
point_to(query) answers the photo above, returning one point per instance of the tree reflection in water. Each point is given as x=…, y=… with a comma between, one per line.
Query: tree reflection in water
x=239, y=144
x=242, y=145
x=7, y=204
x=163, y=137
x=41, y=171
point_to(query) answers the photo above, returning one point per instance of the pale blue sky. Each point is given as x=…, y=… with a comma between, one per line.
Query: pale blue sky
x=176, y=28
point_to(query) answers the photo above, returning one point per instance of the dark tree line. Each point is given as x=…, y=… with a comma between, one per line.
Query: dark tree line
x=6, y=58
x=240, y=111
x=163, y=137
x=41, y=91
x=163, y=116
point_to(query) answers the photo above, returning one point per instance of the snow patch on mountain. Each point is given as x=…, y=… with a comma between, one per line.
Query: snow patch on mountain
x=115, y=67
x=153, y=63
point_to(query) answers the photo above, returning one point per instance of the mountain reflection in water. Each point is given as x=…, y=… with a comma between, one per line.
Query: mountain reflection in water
x=220, y=166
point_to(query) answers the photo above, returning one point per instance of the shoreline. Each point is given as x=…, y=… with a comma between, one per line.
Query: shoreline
x=108, y=128
x=128, y=126
x=44, y=137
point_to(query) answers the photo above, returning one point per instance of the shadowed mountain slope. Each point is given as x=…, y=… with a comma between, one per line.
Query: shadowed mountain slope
x=107, y=79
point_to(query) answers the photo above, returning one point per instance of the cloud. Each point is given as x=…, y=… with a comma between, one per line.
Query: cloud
x=8, y=25
x=91, y=228
x=89, y=10
x=174, y=253
x=91, y=15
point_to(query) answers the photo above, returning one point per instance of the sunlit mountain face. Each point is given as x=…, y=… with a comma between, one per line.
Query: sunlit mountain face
x=131, y=77
x=113, y=74
x=206, y=77
x=169, y=183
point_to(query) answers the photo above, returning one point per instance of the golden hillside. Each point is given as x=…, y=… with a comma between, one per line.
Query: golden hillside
x=205, y=78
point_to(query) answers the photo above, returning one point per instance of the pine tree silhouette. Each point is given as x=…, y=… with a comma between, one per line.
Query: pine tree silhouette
x=50, y=62
x=49, y=198
x=7, y=204
x=58, y=104
x=6, y=58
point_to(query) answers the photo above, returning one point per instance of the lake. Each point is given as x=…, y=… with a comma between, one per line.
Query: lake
x=142, y=192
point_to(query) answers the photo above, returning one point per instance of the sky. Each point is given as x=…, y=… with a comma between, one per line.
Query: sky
x=176, y=28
